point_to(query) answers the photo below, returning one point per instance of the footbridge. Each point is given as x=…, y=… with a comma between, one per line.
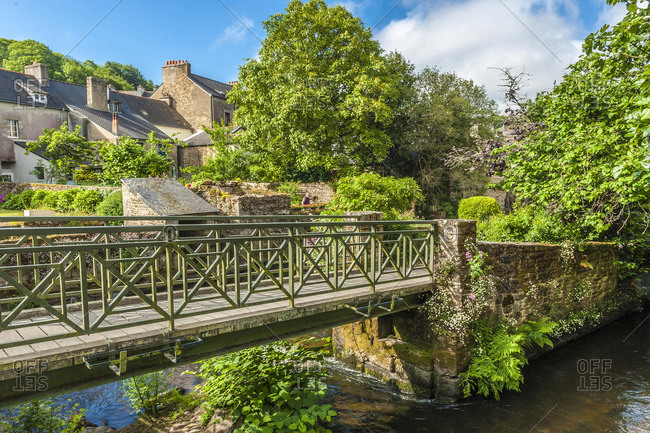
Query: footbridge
x=82, y=305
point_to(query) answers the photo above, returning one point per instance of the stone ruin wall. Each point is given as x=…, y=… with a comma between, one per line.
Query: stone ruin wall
x=534, y=281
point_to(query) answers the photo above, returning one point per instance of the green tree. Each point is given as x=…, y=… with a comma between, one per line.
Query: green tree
x=66, y=150
x=589, y=158
x=15, y=55
x=317, y=93
x=227, y=162
x=41, y=417
x=442, y=112
x=131, y=159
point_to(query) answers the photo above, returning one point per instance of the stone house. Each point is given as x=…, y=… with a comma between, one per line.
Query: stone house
x=198, y=99
x=30, y=102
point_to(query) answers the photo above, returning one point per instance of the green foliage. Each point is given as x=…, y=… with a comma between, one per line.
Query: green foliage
x=293, y=190
x=66, y=150
x=589, y=159
x=498, y=355
x=38, y=199
x=15, y=55
x=526, y=224
x=227, y=162
x=26, y=198
x=372, y=192
x=478, y=208
x=272, y=388
x=51, y=200
x=130, y=159
x=148, y=392
x=440, y=112
x=111, y=205
x=87, y=201
x=316, y=95
x=42, y=417
x=66, y=199
x=12, y=202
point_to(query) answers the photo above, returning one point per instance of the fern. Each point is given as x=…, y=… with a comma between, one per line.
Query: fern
x=499, y=355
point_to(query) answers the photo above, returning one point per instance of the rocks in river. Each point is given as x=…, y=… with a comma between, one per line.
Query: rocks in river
x=102, y=429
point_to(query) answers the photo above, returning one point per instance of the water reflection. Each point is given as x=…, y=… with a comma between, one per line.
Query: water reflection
x=558, y=395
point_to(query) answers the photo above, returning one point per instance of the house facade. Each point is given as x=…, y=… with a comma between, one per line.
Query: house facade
x=31, y=103
x=198, y=99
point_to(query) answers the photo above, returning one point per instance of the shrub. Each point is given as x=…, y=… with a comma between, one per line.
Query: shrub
x=293, y=190
x=87, y=201
x=526, y=225
x=41, y=417
x=478, y=208
x=66, y=199
x=26, y=198
x=112, y=205
x=51, y=200
x=372, y=192
x=12, y=202
x=37, y=199
x=269, y=388
x=148, y=391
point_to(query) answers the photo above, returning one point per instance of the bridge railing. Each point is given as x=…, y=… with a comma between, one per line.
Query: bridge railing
x=58, y=282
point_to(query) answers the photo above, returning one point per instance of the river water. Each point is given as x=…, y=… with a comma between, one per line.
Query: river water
x=599, y=383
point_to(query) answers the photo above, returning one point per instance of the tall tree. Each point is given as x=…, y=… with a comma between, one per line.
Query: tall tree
x=589, y=158
x=445, y=112
x=317, y=94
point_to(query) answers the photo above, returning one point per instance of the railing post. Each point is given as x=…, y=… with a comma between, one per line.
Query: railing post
x=170, y=284
x=83, y=287
x=291, y=260
x=373, y=257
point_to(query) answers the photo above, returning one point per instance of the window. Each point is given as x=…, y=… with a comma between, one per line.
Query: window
x=114, y=106
x=40, y=173
x=13, y=129
x=226, y=118
x=40, y=97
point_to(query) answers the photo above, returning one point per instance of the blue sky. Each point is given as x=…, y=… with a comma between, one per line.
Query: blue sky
x=467, y=36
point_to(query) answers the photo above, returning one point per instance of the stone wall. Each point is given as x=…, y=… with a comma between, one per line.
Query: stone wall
x=194, y=155
x=537, y=280
x=244, y=198
x=533, y=281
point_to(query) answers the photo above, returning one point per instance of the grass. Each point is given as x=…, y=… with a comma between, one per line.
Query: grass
x=6, y=212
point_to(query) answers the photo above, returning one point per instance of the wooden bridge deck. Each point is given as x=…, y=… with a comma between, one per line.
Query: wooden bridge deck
x=265, y=307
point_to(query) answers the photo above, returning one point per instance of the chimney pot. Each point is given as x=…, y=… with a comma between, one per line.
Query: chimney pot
x=116, y=121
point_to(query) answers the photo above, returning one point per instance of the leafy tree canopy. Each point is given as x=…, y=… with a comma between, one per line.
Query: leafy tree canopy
x=589, y=158
x=15, y=55
x=442, y=112
x=318, y=93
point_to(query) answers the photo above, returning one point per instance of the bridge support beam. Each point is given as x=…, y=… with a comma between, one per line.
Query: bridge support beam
x=402, y=349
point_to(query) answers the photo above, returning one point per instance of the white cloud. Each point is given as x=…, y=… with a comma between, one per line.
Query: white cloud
x=471, y=36
x=354, y=7
x=234, y=33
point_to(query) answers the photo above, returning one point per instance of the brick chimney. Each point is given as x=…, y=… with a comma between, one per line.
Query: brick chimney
x=116, y=124
x=175, y=70
x=233, y=83
x=96, y=93
x=140, y=90
x=39, y=71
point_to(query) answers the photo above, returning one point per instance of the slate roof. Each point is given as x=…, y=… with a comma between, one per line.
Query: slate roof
x=12, y=89
x=213, y=87
x=138, y=115
x=38, y=151
x=200, y=138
